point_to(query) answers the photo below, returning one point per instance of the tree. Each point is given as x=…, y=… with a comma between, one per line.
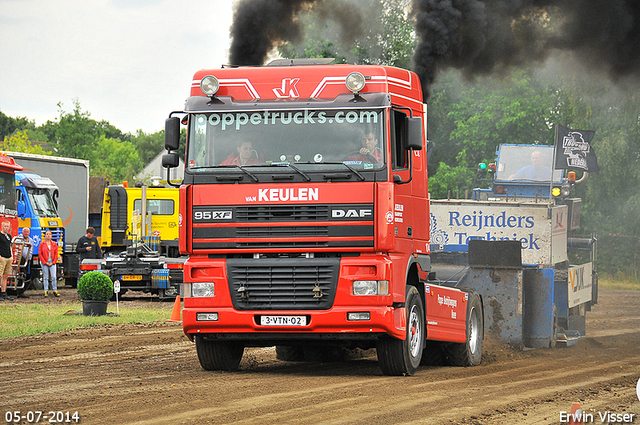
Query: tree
x=148, y=145
x=366, y=32
x=19, y=142
x=473, y=119
x=74, y=134
x=115, y=159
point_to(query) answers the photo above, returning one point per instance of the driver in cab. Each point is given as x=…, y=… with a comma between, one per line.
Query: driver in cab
x=369, y=151
x=246, y=155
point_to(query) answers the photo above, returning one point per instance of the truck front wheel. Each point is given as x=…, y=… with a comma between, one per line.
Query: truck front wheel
x=397, y=357
x=219, y=355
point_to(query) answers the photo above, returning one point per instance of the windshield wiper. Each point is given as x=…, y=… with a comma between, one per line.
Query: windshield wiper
x=244, y=170
x=353, y=170
x=288, y=164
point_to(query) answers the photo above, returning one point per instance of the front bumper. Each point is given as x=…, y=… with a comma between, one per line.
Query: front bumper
x=321, y=325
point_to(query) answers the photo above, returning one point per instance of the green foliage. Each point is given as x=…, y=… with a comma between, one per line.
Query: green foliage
x=148, y=145
x=115, y=159
x=95, y=286
x=382, y=34
x=472, y=119
x=19, y=142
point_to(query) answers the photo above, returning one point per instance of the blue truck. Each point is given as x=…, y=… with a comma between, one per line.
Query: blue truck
x=52, y=193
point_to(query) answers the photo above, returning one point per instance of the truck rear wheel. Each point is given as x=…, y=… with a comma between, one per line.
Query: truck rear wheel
x=398, y=357
x=219, y=355
x=469, y=353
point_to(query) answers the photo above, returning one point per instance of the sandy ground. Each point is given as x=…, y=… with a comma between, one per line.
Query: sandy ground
x=149, y=374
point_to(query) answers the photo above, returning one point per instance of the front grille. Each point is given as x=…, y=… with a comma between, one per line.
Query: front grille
x=283, y=283
x=282, y=232
x=282, y=213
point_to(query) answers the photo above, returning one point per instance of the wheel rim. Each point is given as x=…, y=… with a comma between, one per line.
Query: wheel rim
x=415, y=332
x=474, y=330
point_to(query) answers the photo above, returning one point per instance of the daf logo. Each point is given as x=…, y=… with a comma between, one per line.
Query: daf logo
x=351, y=213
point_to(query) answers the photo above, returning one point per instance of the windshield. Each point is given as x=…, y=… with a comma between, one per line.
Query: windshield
x=156, y=206
x=7, y=194
x=526, y=164
x=42, y=202
x=354, y=137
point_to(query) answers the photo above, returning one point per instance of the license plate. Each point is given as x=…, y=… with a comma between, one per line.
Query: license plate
x=283, y=320
x=131, y=277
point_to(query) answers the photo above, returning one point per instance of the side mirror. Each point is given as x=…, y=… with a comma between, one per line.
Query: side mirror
x=172, y=133
x=415, y=133
x=170, y=160
x=22, y=209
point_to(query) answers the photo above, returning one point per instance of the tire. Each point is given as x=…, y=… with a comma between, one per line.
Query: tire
x=469, y=353
x=433, y=354
x=36, y=283
x=289, y=353
x=71, y=282
x=397, y=357
x=219, y=355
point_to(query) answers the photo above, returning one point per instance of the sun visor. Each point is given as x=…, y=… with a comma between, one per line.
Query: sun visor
x=38, y=183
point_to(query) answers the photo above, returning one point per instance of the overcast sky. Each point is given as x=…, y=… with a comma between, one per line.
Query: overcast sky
x=129, y=62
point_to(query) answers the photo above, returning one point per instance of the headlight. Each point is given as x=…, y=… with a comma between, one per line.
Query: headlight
x=370, y=287
x=209, y=85
x=202, y=289
x=355, y=82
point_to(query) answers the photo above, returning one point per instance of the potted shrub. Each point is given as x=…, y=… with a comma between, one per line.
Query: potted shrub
x=95, y=290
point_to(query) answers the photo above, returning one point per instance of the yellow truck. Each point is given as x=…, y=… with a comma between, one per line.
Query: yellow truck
x=140, y=240
x=125, y=218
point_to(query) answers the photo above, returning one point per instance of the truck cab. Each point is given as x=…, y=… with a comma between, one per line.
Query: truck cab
x=304, y=212
x=122, y=203
x=37, y=211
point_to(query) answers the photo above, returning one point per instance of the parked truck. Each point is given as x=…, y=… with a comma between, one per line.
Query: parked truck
x=9, y=212
x=158, y=218
x=38, y=212
x=139, y=240
x=304, y=211
x=63, y=182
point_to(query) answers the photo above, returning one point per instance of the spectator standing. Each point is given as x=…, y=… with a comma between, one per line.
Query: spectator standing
x=48, y=255
x=5, y=259
x=25, y=259
x=88, y=246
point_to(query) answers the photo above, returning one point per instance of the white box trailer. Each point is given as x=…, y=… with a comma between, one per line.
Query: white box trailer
x=72, y=197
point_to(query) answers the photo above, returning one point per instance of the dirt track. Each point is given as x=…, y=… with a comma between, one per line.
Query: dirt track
x=149, y=374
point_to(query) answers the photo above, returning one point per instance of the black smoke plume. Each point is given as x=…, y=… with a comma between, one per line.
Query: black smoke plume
x=481, y=37
x=259, y=24
x=474, y=36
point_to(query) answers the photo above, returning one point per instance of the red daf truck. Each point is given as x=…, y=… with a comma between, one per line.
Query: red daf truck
x=305, y=214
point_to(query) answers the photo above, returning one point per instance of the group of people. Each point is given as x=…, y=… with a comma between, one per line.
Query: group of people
x=87, y=247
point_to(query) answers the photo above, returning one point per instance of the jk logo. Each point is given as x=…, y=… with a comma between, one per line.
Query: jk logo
x=288, y=88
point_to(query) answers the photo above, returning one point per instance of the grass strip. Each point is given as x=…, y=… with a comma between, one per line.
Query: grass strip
x=30, y=319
